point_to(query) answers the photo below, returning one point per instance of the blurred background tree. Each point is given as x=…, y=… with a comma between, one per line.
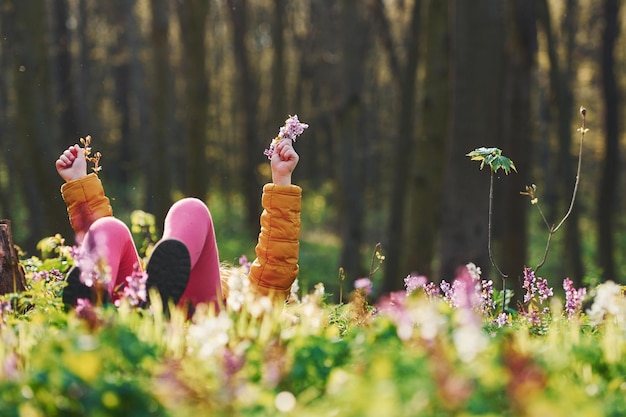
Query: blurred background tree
x=182, y=96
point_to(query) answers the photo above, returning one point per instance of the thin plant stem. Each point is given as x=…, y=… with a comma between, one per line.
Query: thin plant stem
x=342, y=277
x=493, y=262
x=375, y=255
x=552, y=230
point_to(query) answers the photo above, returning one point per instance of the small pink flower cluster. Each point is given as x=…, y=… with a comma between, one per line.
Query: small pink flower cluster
x=291, y=130
x=535, y=286
x=134, y=289
x=574, y=298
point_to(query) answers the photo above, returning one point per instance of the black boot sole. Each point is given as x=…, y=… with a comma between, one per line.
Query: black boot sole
x=168, y=270
x=75, y=289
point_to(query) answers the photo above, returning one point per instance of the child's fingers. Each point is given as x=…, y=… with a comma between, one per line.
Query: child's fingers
x=64, y=161
x=67, y=158
x=72, y=152
x=288, y=154
x=285, y=150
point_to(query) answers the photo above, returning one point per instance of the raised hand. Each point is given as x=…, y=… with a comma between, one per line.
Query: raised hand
x=283, y=161
x=72, y=163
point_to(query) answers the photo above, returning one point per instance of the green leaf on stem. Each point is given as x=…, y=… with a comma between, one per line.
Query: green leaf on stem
x=494, y=158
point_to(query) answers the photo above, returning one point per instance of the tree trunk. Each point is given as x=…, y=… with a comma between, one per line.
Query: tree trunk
x=607, y=201
x=69, y=124
x=26, y=26
x=158, y=185
x=562, y=105
x=406, y=74
x=278, y=111
x=426, y=186
x=477, y=82
x=120, y=155
x=11, y=272
x=7, y=204
x=348, y=154
x=521, y=47
x=192, y=15
x=247, y=92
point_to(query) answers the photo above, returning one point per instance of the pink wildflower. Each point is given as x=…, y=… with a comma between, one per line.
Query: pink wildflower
x=573, y=297
x=534, y=285
x=245, y=263
x=291, y=130
x=135, y=288
x=364, y=284
x=413, y=282
x=502, y=319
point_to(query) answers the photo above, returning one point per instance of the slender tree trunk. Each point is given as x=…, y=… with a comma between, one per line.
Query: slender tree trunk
x=607, y=201
x=406, y=74
x=278, y=111
x=426, y=187
x=158, y=185
x=26, y=26
x=69, y=124
x=477, y=82
x=516, y=124
x=562, y=105
x=121, y=16
x=348, y=86
x=83, y=73
x=192, y=15
x=6, y=125
x=247, y=91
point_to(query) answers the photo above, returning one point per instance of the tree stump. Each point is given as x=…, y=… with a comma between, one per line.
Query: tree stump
x=12, y=277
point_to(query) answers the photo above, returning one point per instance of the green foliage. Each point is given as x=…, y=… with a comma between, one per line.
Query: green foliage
x=144, y=231
x=413, y=354
x=493, y=158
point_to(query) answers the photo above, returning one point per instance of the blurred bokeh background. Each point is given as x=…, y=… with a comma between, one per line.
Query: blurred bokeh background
x=182, y=96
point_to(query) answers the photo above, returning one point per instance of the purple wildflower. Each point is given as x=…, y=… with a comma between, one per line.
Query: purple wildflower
x=5, y=308
x=291, y=130
x=446, y=289
x=135, y=287
x=543, y=290
x=534, y=285
x=245, y=263
x=233, y=362
x=533, y=317
x=573, y=297
x=502, y=319
x=10, y=366
x=394, y=306
x=413, y=282
x=48, y=276
x=364, y=284
x=432, y=290
x=529, y=284
x=90, y=264
x=487, y=296
x=84, y=308
x=86, y=311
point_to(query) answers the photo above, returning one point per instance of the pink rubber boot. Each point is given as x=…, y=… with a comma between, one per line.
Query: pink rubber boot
x=110, y=240
x=190, y=222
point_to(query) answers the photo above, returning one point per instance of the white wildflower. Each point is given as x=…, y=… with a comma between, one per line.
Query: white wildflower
x=238, y=285
x=608, y=301
x=209, y=335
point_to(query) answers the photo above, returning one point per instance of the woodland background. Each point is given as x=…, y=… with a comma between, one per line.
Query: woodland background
x=182, y=96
